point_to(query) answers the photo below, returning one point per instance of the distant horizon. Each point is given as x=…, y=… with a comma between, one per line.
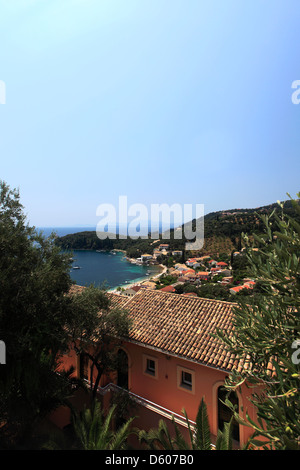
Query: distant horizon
x=145, y=223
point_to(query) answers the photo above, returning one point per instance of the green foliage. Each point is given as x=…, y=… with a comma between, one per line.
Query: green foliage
x=199, y=438
x=98, y=337
x=34, y=312
x=95, y=431
x=224, y=438
x=223, y=234
x=202, y=439
x=36, y=315
x=265, y=329
x=207, y=290
x=166, y=280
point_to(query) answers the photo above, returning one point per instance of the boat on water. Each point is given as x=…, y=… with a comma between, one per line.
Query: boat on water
x=76, y=267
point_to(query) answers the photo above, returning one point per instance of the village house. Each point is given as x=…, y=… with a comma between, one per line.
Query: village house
x=236, y=289
x=212, y=263
x=146, y=257
x=222, y=264
x=148, y=285
x=246, y=285
x=174, y=273
x=205, y=275
x=182, y=279
x=163, y=247
x=180, y=267
x=157, y=253
x=192, y=294
x=192, y=263
x=192, y=277
x=203, y=258
x=190, y=270
x=227, y=280
x=168, y=289
x=173, y=361
x=131, y=291
x=215, y=270
x=176, y=253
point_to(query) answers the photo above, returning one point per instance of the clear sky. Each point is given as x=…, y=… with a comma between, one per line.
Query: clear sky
x=164, y=101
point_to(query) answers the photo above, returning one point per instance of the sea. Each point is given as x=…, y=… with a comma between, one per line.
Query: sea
x=108, y=269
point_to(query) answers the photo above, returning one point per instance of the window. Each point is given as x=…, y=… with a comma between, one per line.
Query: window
x=186, y=379
x=150, y=366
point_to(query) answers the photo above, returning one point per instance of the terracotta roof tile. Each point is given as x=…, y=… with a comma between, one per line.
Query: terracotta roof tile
x=117, y=300
x=180, y=325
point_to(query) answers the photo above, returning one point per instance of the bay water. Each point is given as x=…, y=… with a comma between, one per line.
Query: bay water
x=99, y=268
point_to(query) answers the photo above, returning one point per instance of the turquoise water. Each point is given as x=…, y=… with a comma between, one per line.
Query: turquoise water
x=113, y=269
x=98, y=268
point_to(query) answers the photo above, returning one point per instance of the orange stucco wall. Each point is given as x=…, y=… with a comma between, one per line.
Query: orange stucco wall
x=163, y=389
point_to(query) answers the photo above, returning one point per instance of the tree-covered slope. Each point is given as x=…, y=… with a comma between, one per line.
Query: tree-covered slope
x=222, y=233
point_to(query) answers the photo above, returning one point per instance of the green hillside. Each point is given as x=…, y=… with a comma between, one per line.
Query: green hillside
x=222, y=234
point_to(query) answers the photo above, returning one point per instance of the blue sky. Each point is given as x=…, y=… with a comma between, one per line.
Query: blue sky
x=163, y=101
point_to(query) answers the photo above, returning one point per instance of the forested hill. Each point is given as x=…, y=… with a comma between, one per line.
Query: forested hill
x=222, y=233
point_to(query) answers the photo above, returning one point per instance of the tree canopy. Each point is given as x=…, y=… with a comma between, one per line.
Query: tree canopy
x=37, y=316
x=267, y=331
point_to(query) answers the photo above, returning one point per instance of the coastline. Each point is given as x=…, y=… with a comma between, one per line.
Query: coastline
x=141, y=282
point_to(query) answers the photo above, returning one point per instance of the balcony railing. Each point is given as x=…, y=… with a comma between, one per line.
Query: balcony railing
x=158, y=409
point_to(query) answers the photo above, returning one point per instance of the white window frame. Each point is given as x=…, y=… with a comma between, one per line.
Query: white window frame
x=148, y=372
x=190, y=388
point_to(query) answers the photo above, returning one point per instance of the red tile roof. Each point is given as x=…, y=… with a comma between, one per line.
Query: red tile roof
x=117, y=300
x=168, y=289
x=182, y=326
x=238, y=288
x=136, y=288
